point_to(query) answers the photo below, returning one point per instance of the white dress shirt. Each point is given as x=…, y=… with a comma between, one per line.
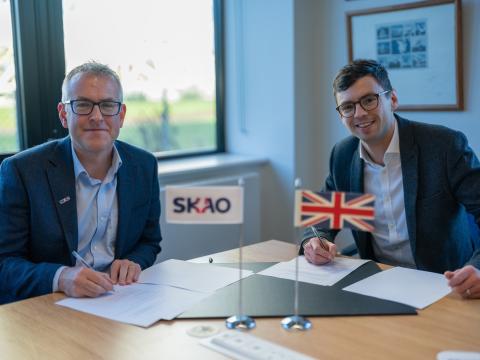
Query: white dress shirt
x=391, y=244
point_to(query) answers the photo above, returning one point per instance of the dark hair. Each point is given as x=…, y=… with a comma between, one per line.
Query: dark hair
x=350, y=73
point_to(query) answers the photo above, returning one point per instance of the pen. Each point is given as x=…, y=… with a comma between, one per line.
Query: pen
x=322, y=241
x=81, y=259
x=83, y=262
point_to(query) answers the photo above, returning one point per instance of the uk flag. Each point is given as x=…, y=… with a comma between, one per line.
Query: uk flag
x=334, y=210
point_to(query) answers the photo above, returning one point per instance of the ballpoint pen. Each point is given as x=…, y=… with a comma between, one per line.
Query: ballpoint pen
x=81, y=259
x=323, y=244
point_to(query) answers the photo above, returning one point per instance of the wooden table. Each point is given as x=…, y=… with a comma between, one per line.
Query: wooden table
x=39, y=329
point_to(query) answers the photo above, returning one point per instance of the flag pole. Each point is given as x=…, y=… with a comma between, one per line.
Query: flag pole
x=296, y=321
x=240, y=321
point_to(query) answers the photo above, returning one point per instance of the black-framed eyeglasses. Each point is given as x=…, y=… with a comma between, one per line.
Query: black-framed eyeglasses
x=368, y=102
x=85, y=107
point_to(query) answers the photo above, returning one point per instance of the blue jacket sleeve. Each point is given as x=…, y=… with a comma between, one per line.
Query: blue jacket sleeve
x=19, y=277
x=464, y=175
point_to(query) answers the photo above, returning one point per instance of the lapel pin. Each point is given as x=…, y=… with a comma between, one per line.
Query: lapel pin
x=64, y=200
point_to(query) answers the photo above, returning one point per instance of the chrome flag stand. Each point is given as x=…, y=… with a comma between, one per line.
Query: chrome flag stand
x=296, y=321
x=240, y=321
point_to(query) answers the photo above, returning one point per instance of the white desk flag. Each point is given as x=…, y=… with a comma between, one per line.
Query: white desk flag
x=204, y=205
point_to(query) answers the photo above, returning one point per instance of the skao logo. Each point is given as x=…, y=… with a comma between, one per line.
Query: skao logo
x=201, y=205
x=204, y=204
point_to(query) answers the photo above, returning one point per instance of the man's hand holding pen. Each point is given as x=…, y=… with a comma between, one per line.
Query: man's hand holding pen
x=84, y=281
x=80, y=281
x=319, y=250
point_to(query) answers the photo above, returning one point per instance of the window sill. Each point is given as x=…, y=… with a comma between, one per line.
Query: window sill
x=170, y=171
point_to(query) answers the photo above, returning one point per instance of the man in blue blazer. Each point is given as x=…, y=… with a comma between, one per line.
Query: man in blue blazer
x=426, y=180
x=87, y=193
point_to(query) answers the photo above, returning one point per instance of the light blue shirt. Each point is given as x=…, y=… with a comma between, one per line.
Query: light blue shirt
x=97, y=215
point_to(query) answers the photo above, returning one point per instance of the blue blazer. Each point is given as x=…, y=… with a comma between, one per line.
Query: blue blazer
x=38, y=230
x=441, y=184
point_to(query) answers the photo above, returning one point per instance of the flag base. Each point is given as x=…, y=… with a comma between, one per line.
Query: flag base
x=240, y=322
x=296, y=322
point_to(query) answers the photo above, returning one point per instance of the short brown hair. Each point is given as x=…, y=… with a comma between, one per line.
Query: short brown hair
x=350, y=73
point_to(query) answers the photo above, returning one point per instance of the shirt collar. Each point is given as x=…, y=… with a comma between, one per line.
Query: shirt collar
x=79, y=169
x=393, y=147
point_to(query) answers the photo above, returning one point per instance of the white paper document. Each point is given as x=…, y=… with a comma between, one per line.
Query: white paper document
x=191, y=276
x=327, y=274
x=137, y=304
x=407, y=286
x=458, y=355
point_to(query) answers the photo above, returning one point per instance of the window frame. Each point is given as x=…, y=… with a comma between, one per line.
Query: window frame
x=39, y=53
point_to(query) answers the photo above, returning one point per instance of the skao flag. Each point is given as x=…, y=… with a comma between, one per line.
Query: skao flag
x=204, y=205
x=334, y=210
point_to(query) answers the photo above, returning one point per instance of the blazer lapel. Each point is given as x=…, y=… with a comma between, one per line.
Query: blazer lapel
x=125, y=195
x=61, y=179
x=356, y=185
x=409, y=161
x=356, y=173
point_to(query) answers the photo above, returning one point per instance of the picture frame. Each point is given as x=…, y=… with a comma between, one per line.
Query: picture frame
x=420, y=45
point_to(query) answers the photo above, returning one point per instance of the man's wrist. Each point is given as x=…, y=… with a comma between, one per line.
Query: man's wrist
x=56, y=279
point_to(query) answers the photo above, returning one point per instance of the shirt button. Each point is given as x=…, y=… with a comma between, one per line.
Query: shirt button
x=103, y=218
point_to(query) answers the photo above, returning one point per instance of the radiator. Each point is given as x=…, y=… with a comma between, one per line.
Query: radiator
x=186, y=241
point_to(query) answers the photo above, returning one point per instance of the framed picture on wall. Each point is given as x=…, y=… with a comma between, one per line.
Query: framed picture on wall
x=420, y=45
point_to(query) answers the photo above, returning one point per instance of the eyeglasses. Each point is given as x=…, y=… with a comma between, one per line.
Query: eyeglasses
x=368, y=102
x=85, y=107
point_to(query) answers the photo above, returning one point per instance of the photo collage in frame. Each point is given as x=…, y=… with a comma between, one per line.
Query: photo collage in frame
x=403, y=45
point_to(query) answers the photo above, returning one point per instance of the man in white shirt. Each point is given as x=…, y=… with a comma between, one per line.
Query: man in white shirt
x=426, y=180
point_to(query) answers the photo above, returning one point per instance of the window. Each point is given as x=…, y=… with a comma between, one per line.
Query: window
x=164, y=54
x=8, y=119
x=168, y=54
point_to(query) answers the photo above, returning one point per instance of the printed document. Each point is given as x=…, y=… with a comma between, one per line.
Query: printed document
x=163, y=291
x=407, y=286
x=137, y=304
x=191, y=276
x=327, y=274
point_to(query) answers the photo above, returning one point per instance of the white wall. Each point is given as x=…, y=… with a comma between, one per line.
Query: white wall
x=187, y=241
x=282, y=56
x=332, y=54
x=259, y=101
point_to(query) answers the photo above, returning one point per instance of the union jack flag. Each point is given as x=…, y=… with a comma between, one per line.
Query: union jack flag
x=334, y=210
